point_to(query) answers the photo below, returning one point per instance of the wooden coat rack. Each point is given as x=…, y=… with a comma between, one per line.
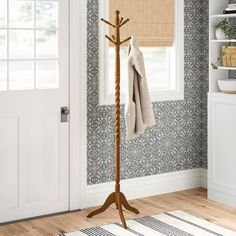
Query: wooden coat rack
x=116, y=197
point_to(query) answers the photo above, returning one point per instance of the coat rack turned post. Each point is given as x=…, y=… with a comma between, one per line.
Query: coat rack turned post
x=116, y=197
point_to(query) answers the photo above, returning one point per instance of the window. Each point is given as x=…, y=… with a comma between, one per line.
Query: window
x=157, y=62
x=28, y=44
x=164, y=65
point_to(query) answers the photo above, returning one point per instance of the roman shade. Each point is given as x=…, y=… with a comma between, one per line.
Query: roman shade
x=151, y=21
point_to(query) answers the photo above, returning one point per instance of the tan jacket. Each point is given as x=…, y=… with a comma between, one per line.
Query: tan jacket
x=138, y=108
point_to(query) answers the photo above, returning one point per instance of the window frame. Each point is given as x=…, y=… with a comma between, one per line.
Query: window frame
x=176, y=59
x=33, y=29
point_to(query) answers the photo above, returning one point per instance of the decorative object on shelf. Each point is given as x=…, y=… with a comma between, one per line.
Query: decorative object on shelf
x=224, y=30
x=231, y=6
x=229, y=56
x=227, y=86
x=231, y=9
x=216, y=64
x=220, y=34
x=229, y=12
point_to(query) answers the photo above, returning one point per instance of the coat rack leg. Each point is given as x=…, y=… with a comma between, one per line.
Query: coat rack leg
x=110, y=200
x=126, y=204
x=118, y=200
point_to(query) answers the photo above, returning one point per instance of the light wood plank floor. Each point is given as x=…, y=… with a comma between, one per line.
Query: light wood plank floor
x=192, y=201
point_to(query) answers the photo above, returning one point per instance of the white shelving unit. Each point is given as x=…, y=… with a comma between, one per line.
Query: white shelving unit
x=221, y=118
x=215, y=45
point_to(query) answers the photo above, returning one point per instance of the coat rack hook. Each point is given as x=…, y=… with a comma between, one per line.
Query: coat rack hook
x=123, y=23
x=111, y=40
x=107, y=22
x=125, y=40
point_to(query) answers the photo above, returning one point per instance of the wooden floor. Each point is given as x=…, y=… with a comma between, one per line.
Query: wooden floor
x=192, y=201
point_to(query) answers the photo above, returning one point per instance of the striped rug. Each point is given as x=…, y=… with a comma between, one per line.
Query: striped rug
x=175, y=223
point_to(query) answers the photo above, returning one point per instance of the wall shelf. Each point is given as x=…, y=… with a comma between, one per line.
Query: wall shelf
x=223, y=40
x=222, y=95
x=223, y=16
x=226, y=68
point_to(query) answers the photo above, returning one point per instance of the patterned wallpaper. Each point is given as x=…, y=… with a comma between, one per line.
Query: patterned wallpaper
x=179, y=139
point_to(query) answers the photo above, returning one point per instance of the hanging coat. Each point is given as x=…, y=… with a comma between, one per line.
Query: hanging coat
x=138, y=108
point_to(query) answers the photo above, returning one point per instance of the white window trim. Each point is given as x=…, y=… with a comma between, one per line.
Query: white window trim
x=78, y=104
x=106, y=98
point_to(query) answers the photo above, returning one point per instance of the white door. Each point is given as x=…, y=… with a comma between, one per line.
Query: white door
x=34, y=85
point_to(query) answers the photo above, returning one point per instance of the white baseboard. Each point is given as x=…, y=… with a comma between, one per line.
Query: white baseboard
x=204, y=178
x=148, y=186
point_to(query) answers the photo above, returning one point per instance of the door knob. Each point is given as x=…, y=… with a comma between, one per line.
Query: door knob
x=64, y=114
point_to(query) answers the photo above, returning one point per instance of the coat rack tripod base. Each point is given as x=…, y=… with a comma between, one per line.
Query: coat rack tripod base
x=116, y=197
x=120, y=200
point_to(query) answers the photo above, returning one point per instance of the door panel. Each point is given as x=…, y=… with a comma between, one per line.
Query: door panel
x=225, y=136
x=34, y=85
x=9, y=158
x=42, y=153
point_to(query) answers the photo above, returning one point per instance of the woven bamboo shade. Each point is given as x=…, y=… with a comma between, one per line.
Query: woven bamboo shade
x=151, y=21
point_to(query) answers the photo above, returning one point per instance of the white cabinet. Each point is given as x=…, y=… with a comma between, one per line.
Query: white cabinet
x=221, y=119
x=222, y=148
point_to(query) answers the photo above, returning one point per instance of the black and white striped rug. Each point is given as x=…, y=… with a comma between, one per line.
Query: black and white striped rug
x=175, y=223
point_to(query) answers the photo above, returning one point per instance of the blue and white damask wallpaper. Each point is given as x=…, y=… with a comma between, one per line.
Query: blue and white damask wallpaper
x=179, y=139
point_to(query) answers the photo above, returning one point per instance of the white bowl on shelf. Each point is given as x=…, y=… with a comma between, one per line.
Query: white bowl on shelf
x=220, y=34
x=227, y=86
